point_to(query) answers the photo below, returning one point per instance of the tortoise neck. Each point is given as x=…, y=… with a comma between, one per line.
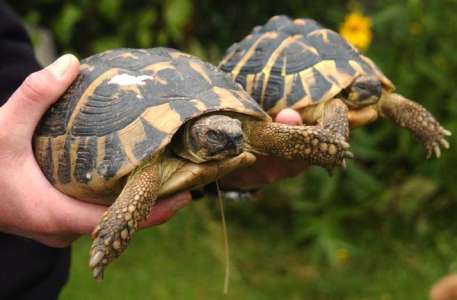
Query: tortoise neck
x=182, y=145
x=211, y=137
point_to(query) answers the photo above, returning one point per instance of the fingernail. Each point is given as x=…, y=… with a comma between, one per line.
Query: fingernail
x=60, y=66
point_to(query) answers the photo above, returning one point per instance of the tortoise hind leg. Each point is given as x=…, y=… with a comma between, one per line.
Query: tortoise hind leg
x=417, y=119
x=120, y=221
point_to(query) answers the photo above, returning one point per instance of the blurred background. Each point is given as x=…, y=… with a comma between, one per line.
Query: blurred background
x=383, y=229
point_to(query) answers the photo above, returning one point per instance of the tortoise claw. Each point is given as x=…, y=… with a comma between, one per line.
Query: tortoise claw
x=348, y=154
x=445, y=132
x=97, y=273
x=437, y=150
x=428, y=154
x=345, y=145
x=343, y=163
x=325, y=148
x=96, y=259
x=110, y=240
x=444, y=143
x=434, y=141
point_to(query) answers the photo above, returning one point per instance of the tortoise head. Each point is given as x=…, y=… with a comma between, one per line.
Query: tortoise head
x=212, y=137
x=364, y=90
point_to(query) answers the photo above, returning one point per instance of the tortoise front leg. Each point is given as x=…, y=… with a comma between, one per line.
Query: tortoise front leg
x=334, y=118
x=120, y=221
x=417, y=119
x=313, y=144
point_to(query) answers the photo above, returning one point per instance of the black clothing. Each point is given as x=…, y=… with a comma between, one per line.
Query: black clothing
x=16, y=53
x=28, y=270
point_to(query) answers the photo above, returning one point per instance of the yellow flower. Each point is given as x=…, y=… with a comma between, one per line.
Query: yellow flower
x=342, y=256
x=356, y=29
x=415, y=28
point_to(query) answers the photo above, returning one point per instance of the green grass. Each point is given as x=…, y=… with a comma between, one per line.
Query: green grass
x=183, y=259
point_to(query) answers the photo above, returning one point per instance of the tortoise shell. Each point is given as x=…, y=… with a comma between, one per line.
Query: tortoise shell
x=124, y=107
x=296, y=63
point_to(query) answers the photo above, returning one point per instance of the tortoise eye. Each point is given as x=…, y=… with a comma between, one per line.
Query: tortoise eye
x=212, y=135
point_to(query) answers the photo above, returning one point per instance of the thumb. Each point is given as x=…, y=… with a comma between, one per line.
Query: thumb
x=24, y=109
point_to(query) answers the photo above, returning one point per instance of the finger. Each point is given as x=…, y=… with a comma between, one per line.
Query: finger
x=289, y=116
x=56, y=241
x=62, y=222
x=68, y=215
x=81, y=217
x=25, y=107
x=166, y=208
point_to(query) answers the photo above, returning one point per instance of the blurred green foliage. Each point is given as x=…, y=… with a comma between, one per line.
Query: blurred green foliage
x=390, y=209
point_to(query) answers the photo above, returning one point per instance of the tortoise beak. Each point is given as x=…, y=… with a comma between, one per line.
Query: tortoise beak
x=235, y=144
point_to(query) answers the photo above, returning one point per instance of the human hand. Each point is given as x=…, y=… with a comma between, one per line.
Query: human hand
x=30, y=206
x=267, y=169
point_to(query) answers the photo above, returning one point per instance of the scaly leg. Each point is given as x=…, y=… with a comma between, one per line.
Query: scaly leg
x=417, y=119
x=334, y=118
x=120, y=221
x=314, y=144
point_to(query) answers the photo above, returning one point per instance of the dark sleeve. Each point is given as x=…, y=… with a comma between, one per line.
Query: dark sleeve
x=17, y=59
x=29, y=270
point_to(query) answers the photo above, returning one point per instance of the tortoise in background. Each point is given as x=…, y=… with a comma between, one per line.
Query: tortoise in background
x=140, y=124
x=299, y=64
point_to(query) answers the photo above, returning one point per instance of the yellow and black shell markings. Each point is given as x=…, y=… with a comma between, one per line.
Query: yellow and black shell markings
x=124, y=107
x=295, y=63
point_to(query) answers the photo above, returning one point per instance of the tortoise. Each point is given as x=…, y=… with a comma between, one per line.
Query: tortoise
x=302, y=65
x=138, y=124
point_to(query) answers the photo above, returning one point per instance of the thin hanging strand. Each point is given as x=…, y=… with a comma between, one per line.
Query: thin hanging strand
x=226, y=242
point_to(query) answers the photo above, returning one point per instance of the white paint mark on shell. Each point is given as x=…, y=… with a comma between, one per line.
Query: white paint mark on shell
x=88, y=176
x=127, y=79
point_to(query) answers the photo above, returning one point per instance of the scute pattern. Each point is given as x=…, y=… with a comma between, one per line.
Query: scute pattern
x=125, y=107
x=295, y=50
x=86, y=157
x=111, y=107
x=113, y=157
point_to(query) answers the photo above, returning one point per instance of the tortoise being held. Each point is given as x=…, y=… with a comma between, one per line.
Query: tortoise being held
x=140, y=124
x=300, y=64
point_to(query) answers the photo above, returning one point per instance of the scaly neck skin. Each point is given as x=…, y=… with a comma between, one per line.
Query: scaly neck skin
x=211, y=137
x=181, y=145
